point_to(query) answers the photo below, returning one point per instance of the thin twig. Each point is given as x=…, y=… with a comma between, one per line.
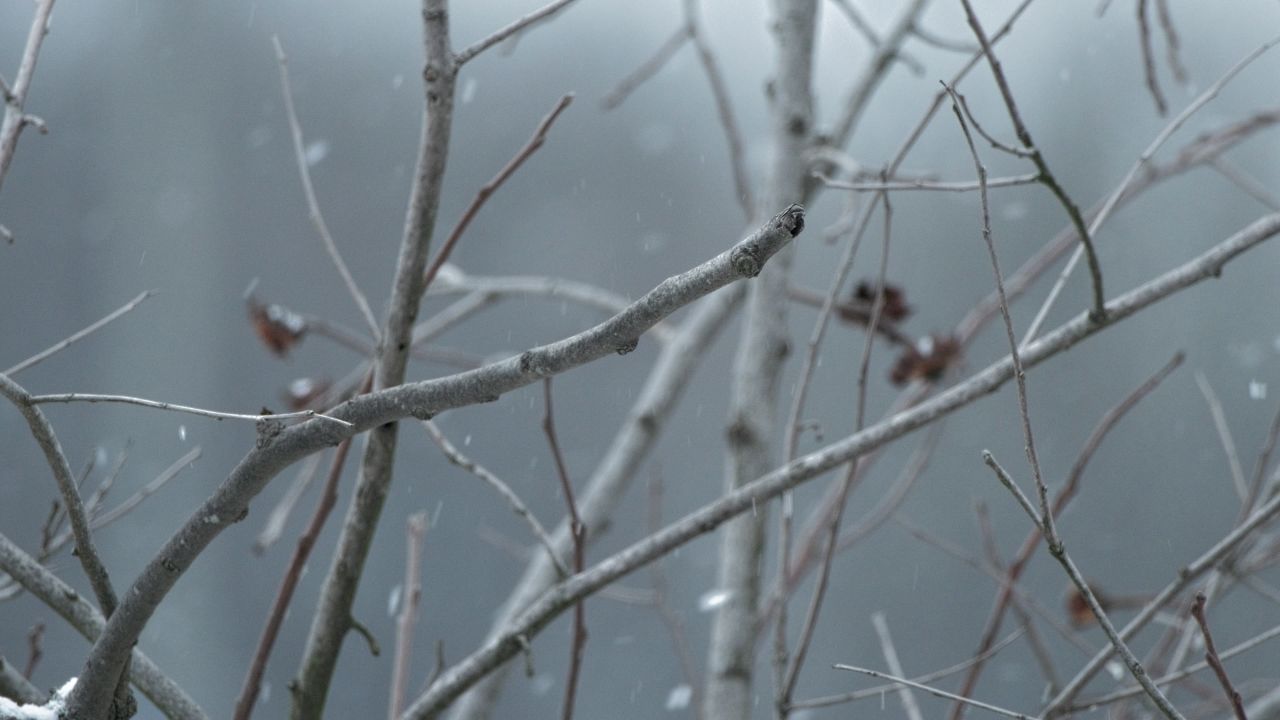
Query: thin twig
x=416, y=530
x=279, y=515
x=899, y=185
x=647, y=69
x=67, y=342
x=926, y=678
x=313, y=205
x=34, y=650
x=1019, y=375
x=909, y=706
x=661, y=602
x=15, y=119
x=1175, y=676
x=289, y=583
x=129, y=503
x=860, y=23
x=465, y=55
x=724, y=110
x=174, y=407
x=1059, y=553
x=1063, y=497
x=504, y=645
x=1131, y=177
x=489, y=188
x=1214, y=661
x=518, y=506
x=579, y=533
x=1172, y=44
x=1037, y=157
x=44, y=436
x=1260, y=467
x=1149, y=59
x=1249, y=184
x=792, y=675
x=935, y=691
x=1224, y=436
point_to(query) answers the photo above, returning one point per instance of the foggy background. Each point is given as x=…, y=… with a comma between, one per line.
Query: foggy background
x=169, y=166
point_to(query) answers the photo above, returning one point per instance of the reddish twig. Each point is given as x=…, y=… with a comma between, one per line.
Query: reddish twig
x=489, y=188
x=1149, y=59
x=1211, y=657
x=289, y=583
x=34, y=651
x=579, y=533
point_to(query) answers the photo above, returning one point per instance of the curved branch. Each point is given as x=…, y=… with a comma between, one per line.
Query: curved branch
x=230, y=501
x=707, y=518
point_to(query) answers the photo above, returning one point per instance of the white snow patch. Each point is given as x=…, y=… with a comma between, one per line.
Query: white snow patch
x=679, y=697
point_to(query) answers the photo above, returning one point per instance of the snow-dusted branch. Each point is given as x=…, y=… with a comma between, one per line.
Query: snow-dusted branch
x=64, y=600
x=230, y=501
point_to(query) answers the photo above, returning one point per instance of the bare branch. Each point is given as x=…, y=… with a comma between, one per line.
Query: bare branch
x=15, y=686
x=455, y=456
x=383, y=407
x=556, y=600
x=1149, y=59
x=646, y=69
x=313, y=205
x=416, y=529
x=926, y=678
x=579, y=533
x=1224, y=436
x=72, y=607
x=82, y=334
x=464, y=56
x=489, y=188
x=289, y=581
x=964, y=186
x=935, y=691
x=174, y=407
x=15, y=119
x=724, y=110
x=43, y=433
x=1131, y=177
x=1046, y=176
x=909, y=706
x=1215, y=662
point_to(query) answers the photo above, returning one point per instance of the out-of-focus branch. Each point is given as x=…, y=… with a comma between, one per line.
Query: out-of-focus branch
x=313, y=205
x=752, y=421
x=82, y=334
x=544, y=13
x=15, y=96
x=415, y=531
